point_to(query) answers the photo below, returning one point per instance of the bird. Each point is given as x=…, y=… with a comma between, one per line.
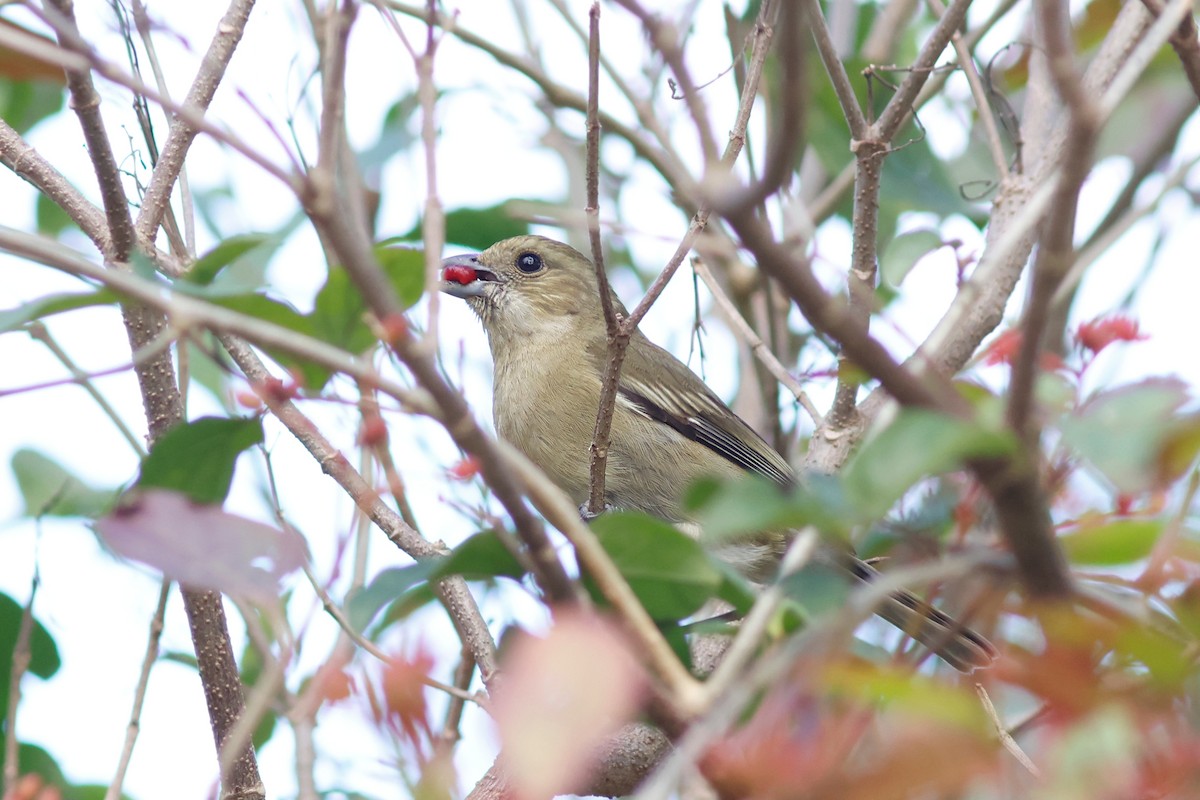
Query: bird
x=539, y=303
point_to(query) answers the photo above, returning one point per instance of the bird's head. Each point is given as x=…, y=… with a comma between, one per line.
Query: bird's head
x=526, y=286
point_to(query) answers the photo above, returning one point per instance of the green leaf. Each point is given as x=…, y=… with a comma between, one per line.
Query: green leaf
x=44, y=660
x=479, y=557
x=48, y=489
x=337, y=315
x=233, y=251
x=903, y=253
x=14, y=318
x=395, y=135
x=1121, y=541
x=669, y=572
x=917, y=444
x=753, y=504
x=748, y=505
x=51, y=219
x=1124, y=431
x=25, y=103
x=197, y=458
x=312, y=376
x=405, y=268
x=384, y=588
x=817, y=587
x=477, y=228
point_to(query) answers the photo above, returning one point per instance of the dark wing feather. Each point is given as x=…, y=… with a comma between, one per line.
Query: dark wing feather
x=666, y=391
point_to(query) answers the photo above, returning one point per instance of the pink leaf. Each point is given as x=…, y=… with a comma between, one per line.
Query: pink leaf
x=561, y=698
x=202, y=546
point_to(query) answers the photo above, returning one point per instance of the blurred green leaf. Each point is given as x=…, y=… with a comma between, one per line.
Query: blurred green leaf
x=49, y=305
x=25, y=103
x=1119, y=541
x=917, y=443
x=405, y=268
x=903, y=253
x=48, y=489
x=395, y=134
x=669, y=572
x=1123, y=432
x=477, y=228
x=206, y=366
x=337, y=315
x=817, y=587
x=51, y=219
x=232, y=252
x=44, y=660
x=480, y=556
x=385, y=588
x=745, y=506
x=197, y=458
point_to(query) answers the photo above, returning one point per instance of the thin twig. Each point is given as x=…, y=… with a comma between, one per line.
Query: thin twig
x=966, y=62
x=664, y=38
x=464, y=613
x=558, y=95
x=76, y=52
x=38, y=331
x=618, y=334
x=753, y=341
x=113, y=792
x=1006, y=739
x=339, y=616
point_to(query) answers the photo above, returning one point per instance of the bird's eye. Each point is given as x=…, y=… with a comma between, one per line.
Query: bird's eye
x=529, y=262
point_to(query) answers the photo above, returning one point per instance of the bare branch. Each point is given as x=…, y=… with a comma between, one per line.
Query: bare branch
x=86, y=104
x=204, y=86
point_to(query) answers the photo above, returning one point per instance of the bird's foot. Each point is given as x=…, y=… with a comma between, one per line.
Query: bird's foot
x=587, y=515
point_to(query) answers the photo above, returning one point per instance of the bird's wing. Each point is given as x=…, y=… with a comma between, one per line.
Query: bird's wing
x=666, y=391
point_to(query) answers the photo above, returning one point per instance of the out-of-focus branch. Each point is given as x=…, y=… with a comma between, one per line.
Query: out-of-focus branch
x=757, y=346
x=664, y=38
x=1185, y=44
x=666, y=163
x=76, y=53
x=1056, y=250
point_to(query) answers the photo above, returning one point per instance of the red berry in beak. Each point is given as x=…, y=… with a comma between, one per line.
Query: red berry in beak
x=460, y=274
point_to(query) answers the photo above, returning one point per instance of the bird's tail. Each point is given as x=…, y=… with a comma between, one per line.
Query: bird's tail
x=956, y=644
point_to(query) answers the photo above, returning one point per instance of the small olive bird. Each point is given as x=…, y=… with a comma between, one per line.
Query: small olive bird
x=539, y=302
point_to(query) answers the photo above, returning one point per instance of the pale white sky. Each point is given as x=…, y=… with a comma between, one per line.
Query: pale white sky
x=98, y=609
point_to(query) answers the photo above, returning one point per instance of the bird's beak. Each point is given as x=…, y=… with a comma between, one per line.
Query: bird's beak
x=464, y=277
